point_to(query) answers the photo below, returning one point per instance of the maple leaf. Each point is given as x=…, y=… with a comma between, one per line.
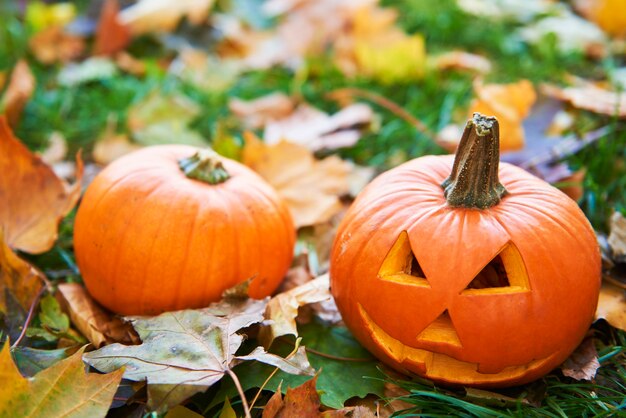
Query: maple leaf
x=111, y=35
x=61, y=390
x=510, y=103
x=292, y=168
x=147, y=16
x=302, y=401
x=20, y=89
x=97, y=325
x=34, y=198
x=282, y=309
x=192, y=347
x=54, y=45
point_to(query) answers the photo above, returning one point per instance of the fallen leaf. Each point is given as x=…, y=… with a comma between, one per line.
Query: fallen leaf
x=612, y=305
x=259, y=112
x=19, y=282
x=94, y=322
x=282, y=309
x=510, y=103
x=464, y=61
x=91, y=69
x=112, y=145
x=148, y=16
x=573, y=33
x=159, y=119
x=507, y=9
x=54, y=323
x=589, y=97
x=40, y=15
x=54, y=45
x=302, y=401
x=317, y=130
x=583, y=363
x=617, y=237
x=192, y=347
x=112, y=36
x=130, y=64
x=20, y=89
x=31, y=361
x=610, y=15
x=182, y=412
x=61, y=390
x=227, y=410
x=274, y=404
x=292, y=168
x=36, y=199
x=205, y=71
x=56, y=150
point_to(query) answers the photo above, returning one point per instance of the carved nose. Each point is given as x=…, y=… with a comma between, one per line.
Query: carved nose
x=440, y=331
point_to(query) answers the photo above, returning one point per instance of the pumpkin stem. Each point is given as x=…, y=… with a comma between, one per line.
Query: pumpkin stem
x=474, y=181
x=204, y=166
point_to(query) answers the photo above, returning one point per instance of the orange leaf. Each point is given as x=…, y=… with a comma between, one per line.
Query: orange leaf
x=510, y=103
x=34, y=198
x=111, y=35
x=94, y=322
x=301, y=402
x=610, y=15
x=20, y=89
x=53, y=45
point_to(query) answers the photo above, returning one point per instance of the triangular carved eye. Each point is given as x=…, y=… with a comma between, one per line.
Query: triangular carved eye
x=401, y=266
x=506, y=273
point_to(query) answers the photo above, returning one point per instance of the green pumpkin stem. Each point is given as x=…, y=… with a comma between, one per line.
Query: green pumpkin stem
x=474, y=181
x=204, y=166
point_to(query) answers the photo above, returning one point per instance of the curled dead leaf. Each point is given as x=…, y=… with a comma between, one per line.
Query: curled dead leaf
x=36, y=199
x=590, y=97
x=54, y=45
x=99, y=326
x=510, y=103
x=292, y=169
x=20, y=89
x=282, y=309
x=583, y=363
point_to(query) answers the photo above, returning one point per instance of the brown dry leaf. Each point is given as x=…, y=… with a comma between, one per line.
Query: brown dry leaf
x=111, y=35
x=590, y=97
x=112, y=145
x=36, y=199
x=583, y=363
x=54, y=45
x=301, y=402
x=510, y=103
x=310, y=187
x=20, y=89
x=461, y=60
x=612, y=305
x=62, y=390
x=99, y=326
x=282, y=309
x=148, y=16
x=610, y=15
x=317, y=130
x=259, y=112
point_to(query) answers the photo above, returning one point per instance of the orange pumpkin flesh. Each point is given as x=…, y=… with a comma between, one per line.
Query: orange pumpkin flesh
x=493, y=295
x=148, y=239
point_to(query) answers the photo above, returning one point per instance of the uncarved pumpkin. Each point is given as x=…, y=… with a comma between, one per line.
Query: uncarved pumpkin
x=150, y=238
x=465, y=271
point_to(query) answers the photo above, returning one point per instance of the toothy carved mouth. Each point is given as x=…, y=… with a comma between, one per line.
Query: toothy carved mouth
x=440, y=366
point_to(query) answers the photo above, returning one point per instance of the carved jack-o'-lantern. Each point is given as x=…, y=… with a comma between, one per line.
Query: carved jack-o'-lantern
x=441, y=270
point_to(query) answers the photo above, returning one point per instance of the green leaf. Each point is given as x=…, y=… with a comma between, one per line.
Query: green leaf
x=52, y=317
x=339, y=380
x=31, y=361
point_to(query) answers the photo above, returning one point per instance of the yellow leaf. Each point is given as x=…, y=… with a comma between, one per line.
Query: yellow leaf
x=610, y=15
x=40, y=15
x=309, y=187
x=182, y=412
x=510, y=103
x=61, y=390
x=227, y=410
x=612, y=305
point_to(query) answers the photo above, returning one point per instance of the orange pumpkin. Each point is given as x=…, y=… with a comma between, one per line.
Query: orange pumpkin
x=171, y=227
x=441, y=270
